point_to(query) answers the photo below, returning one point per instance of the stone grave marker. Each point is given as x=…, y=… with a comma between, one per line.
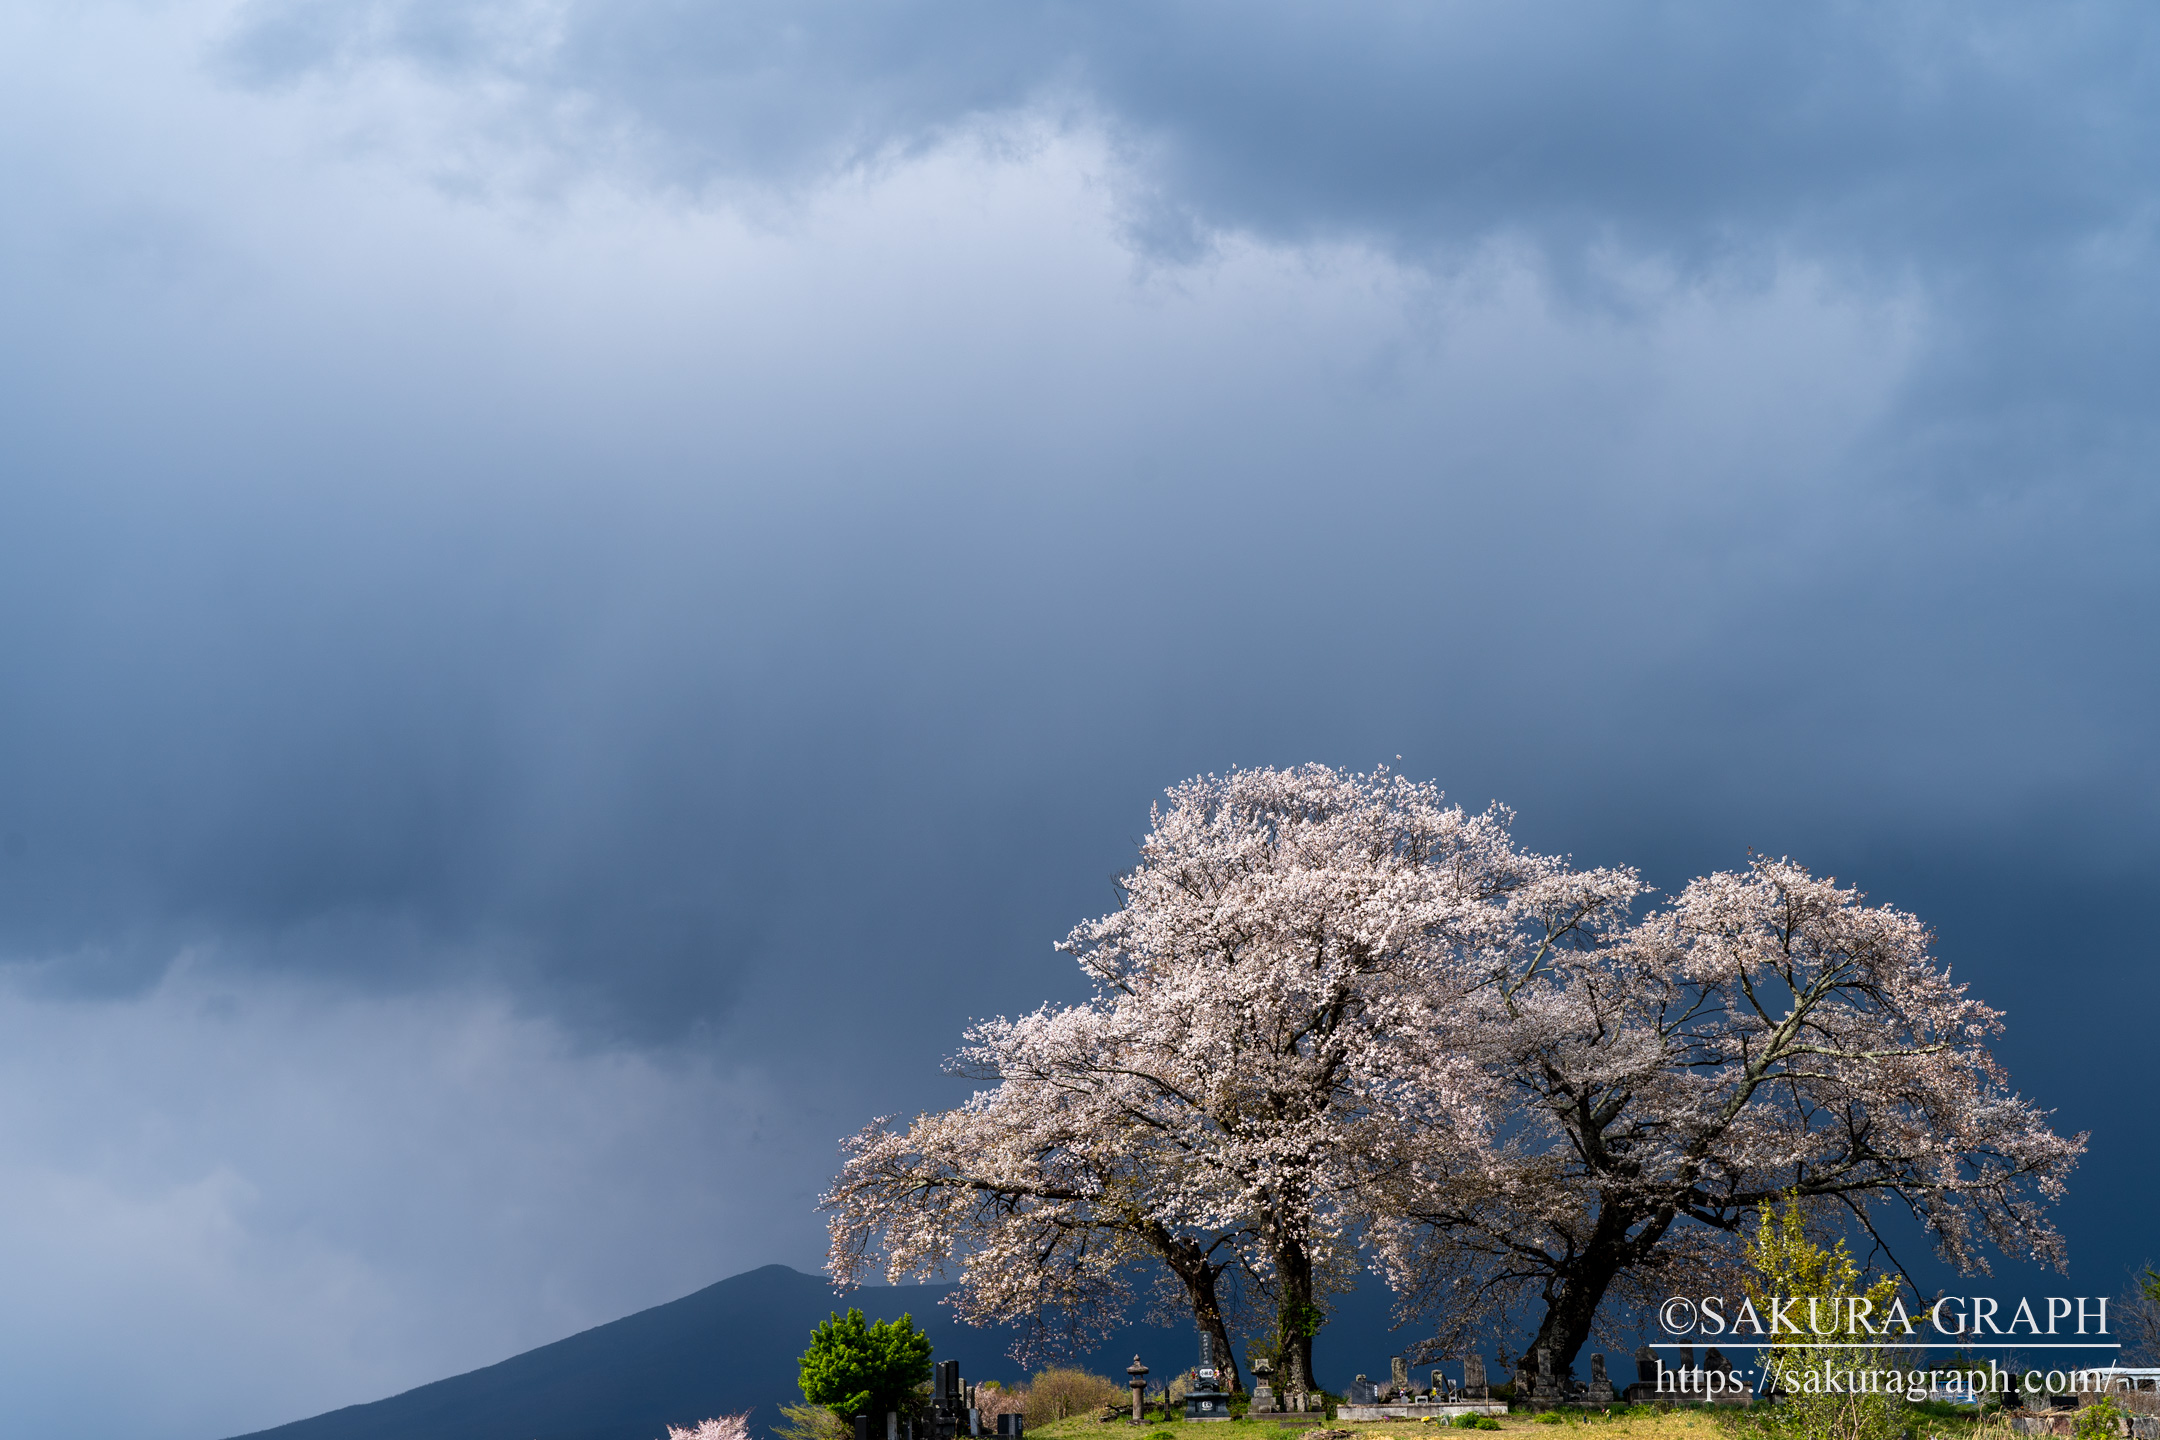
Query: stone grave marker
x=1547, y=1390
x=1601, y=1391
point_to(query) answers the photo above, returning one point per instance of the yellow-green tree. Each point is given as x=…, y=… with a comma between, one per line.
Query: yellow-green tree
x=1829, y=1372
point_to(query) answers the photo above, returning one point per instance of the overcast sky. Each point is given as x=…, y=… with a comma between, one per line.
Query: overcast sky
x=582, y=582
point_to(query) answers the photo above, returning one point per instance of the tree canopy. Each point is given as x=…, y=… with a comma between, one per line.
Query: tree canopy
x=1270, y=997
x=1763, y=1034
x=1336, y=1018
x=853, y=1368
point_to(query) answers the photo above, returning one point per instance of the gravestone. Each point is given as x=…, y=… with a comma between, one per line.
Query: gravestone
x=1715, y=1359
x=1398, y=1378
x=1473, y=1377
x=1547, y=1390
x=1206, y=1400
x=1439, y=1386
x=1362, y=1392
x=1600, y=1391
x=1525, y=1377
x=1646, y=1377
x=947, y=1416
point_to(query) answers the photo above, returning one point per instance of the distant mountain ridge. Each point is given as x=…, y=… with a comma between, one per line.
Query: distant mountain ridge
x=730, y=1347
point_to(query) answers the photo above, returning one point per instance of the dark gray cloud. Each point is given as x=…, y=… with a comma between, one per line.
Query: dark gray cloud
x=1962, y=141
x=1997, y=160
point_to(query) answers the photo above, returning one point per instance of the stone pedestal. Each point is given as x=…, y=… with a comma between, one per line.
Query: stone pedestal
x=1600, y=1391
x=1207, y=1404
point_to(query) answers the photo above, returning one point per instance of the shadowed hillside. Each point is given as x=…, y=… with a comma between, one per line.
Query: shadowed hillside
x=730, y=1347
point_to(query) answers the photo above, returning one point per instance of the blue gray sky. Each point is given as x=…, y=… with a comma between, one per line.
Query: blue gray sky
x=582, y=584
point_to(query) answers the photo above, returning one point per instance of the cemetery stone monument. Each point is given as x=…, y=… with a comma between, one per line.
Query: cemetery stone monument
x=1547, y=1389
x=1206, y=1400
x=1263, y=1397
x=947, y=1408
x=1473, y=1377
x=1601, y=1391
x=1646, y=1371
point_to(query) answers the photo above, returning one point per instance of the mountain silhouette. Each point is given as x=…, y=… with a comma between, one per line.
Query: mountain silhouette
x=734, y=1346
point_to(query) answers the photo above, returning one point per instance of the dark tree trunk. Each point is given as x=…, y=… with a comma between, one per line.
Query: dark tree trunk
x=1295, y=1314
x=1199, y=1274
x=1568, y=1315
x=1579, y=1284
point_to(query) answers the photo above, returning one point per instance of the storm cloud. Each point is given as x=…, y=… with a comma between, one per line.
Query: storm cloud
x=653, y=556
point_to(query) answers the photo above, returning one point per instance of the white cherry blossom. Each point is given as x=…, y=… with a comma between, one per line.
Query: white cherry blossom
x=1765, y=1033
x=1272, y=1000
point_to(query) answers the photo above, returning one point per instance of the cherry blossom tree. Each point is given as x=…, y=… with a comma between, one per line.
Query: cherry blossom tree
x=722, y=1427
x=1044, y=1202
x=1764, y=1034
x=1274, y=999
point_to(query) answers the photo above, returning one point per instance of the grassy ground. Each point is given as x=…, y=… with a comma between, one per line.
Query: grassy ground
x=1676, y=1426
x=1930, y=1422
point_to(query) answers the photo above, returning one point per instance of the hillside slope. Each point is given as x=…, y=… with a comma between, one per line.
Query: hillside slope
x=730, y=1347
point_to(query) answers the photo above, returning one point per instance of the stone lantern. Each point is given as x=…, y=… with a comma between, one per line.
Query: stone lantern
x=1138, y=1380
x=1263, y=1397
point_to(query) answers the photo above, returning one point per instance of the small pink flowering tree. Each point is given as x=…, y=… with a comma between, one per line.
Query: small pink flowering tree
x=724, y=1427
